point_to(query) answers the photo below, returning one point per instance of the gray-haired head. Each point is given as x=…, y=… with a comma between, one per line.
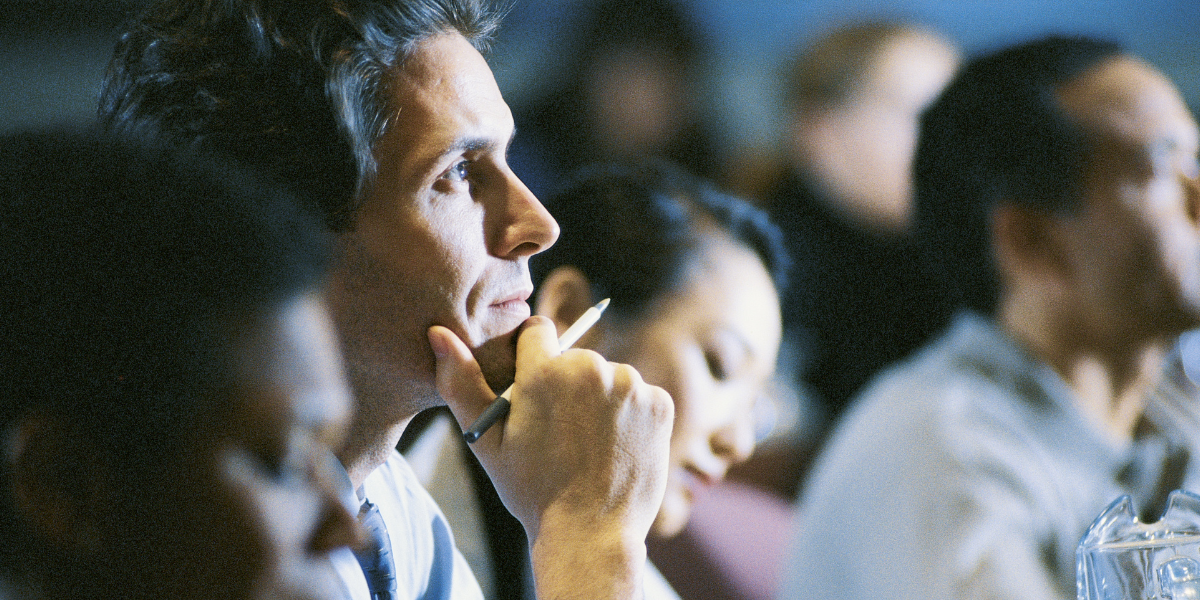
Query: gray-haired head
x=296, y=88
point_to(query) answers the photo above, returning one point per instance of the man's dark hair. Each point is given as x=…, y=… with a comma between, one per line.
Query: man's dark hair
x=128, y=274
x=634, y=228
x=998, y=135
x=297, y=88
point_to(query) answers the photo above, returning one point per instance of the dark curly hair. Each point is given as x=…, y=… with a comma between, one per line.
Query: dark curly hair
x=297, y=88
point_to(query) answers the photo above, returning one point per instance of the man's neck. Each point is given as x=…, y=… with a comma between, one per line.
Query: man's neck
x=1111, y=381
x=368, y=447
x=386, y=400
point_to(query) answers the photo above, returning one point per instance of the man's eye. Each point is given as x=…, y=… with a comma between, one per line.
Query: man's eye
x=459, y=172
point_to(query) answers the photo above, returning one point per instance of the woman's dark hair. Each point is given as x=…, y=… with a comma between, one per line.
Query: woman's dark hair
x=997, y=134
x=128, y=272
x=633, y=229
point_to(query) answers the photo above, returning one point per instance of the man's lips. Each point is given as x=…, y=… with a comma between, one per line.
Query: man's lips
x=517, y=301
x=510, y=305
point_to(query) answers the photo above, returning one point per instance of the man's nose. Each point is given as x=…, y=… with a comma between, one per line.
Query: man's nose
x=520, y=225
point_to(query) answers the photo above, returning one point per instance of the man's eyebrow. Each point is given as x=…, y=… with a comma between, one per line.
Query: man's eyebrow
x=476, y=144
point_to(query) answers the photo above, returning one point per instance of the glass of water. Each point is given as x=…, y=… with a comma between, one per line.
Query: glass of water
x=1121, y=558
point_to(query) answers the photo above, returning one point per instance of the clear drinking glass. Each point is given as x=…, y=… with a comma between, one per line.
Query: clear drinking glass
x=1121, y=558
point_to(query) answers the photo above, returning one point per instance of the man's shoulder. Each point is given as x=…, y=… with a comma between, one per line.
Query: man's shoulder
x=953, y=354
x=970, y=378
x=972, y=405
x=971, y=353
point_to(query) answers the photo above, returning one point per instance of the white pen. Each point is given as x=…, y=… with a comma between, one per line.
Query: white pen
x=499, y=407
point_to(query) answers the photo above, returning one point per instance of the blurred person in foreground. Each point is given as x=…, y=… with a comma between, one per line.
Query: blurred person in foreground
x=861, y=285
x=1058, y=180
x=171, y=382
x=385, y=115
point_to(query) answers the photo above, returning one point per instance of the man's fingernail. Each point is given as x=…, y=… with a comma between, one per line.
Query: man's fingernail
x=533, y=320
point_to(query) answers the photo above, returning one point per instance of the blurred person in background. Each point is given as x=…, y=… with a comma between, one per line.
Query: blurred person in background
x=633, y=86
x=172, y=387
x=1057, y=183
x=860, y=287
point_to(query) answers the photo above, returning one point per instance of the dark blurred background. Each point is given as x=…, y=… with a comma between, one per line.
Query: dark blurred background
x=753, y=38
x=53, y=51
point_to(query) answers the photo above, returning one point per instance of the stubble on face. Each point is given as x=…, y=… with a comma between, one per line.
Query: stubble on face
x=425, y=250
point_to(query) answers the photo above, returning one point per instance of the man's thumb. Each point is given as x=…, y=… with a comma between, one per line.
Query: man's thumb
x=459, y=379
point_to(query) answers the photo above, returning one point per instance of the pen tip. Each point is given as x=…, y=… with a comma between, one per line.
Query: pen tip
x=603, y=304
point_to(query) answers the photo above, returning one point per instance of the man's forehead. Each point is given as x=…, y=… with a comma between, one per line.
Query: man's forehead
x=441, y=68
x=442, y=94
x=1127, y=99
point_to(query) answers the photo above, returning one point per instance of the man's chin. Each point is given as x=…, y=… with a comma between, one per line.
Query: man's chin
x=497, y=360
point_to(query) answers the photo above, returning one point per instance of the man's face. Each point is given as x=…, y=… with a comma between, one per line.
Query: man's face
x=445, y=231
x=1135, y=246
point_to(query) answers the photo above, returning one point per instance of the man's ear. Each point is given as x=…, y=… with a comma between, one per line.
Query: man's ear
x=564, y=295
x=1028, y=244
x=52, y=489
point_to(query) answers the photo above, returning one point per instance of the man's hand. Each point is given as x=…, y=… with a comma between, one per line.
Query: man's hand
x=581, y=459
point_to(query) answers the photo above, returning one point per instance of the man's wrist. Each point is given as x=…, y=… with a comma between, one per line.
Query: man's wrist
x=583, y=558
